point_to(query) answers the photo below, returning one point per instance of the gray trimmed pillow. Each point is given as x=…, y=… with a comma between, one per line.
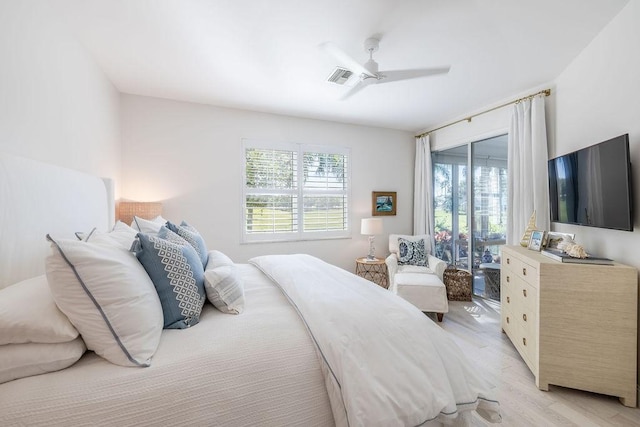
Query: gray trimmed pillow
x=412, y=252
x=108, y=297
x=177, y=274
x=194, y=238
x=148, y=225
x=121, y=235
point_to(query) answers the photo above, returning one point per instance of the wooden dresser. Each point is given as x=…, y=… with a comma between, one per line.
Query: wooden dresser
x=575, y=325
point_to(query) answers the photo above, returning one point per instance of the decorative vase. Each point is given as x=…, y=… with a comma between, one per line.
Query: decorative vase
x=487, y=258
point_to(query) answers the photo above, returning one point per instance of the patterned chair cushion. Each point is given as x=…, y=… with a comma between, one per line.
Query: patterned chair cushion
x=412, y=252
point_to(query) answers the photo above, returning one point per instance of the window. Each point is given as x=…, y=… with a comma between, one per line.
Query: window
x=294, y=191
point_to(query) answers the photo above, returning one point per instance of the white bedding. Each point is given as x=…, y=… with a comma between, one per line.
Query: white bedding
x=386, y=363
x=258, y=368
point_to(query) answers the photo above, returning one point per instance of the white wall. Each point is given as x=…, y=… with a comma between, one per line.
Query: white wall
x=189, y=156
x=598, y=97
x=56, y=105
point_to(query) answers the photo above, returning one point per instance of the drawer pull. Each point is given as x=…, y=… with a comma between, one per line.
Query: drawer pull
x=524, y=292
x=524, y=316
x=524, y=341
x=508, y=279
x=524, y=271
x=508, y=300
x=507, y=319
x=508, y=260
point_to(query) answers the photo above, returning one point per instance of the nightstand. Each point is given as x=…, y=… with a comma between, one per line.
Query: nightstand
x=374, y=270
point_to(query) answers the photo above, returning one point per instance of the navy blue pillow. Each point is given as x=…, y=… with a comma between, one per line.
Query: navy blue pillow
x=176, y=272
x=194, y=238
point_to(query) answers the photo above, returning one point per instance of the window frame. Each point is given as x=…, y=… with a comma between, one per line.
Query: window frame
x=299, y=191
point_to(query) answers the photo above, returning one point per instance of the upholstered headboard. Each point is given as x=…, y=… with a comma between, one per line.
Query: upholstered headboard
x=37, y=198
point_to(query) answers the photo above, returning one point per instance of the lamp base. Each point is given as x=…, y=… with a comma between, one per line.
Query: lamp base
x=372, y=249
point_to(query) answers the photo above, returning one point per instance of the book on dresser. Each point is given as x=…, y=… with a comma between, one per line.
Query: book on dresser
x=563, y=257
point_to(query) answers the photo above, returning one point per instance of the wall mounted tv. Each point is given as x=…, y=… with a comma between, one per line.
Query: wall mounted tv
x=592, y=186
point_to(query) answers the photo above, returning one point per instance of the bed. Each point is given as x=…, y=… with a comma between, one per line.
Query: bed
x=314, y=346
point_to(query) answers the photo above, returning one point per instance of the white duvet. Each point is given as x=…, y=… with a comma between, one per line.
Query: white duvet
x=385, y=362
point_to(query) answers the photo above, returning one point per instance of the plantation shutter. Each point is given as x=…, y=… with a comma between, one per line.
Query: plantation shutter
x=294, y=192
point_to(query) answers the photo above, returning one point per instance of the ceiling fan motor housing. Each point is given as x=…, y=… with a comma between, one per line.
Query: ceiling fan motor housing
x=371, y=45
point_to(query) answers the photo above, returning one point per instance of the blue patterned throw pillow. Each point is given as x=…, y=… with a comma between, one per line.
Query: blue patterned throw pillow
x=176, y=272
x=412, y=253
x=166, y=234
x=194, y=238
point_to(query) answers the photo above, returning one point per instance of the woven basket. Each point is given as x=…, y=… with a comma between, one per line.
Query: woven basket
x=458, y=284
x=492, y=283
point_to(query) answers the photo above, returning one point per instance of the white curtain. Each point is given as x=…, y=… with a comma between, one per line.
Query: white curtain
x=527, y=174
x=423, y=190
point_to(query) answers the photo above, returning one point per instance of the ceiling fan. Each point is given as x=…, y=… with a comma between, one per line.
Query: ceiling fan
x=368, y=72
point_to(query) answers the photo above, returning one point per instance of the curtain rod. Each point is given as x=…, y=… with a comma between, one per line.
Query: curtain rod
x=545, y=92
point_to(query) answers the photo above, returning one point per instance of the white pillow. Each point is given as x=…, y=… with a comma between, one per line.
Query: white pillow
x=148, y=225
x=107, y=295
x=216, y=259
x=122, y=235
x=28, y=313
x=224, y=289
x=25, y=360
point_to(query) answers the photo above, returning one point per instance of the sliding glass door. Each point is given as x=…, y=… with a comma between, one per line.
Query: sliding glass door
x=470, y=205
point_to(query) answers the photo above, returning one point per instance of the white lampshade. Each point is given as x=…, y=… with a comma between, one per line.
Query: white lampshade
x=371, y=226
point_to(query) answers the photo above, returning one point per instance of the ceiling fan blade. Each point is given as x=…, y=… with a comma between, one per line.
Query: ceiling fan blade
x=357, y=88
x=396, y=75
x=344, y=59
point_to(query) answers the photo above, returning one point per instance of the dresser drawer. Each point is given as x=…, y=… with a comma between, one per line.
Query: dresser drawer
x=524, y=312
x=507, y=319
x=527, y=345
x=520, y=268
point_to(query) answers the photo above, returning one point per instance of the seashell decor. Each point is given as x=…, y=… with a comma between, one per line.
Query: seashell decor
x=575, y=251
x=566, y=241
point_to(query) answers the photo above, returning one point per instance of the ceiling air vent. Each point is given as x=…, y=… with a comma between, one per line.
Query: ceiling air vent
x=339, y=76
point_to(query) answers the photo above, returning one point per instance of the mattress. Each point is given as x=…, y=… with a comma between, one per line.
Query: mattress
x=257, y=368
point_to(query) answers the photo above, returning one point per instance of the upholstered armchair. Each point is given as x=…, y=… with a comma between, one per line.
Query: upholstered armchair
x=415, y=274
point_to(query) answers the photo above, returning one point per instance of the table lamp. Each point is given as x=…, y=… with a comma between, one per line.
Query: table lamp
x=146, y=210
x=370, y=227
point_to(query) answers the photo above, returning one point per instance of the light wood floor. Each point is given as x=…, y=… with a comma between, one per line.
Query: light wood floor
x=475, y=327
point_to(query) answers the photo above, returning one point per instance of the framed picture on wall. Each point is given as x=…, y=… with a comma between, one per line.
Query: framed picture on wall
x=383, y=203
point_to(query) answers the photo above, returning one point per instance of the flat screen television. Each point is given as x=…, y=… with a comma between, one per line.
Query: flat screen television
x=592, y=186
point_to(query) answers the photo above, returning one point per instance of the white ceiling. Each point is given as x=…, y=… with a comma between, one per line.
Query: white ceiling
x=263, y=55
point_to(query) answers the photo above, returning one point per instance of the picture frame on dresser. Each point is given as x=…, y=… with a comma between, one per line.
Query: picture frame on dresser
x=537, y=238
x=552, y=238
